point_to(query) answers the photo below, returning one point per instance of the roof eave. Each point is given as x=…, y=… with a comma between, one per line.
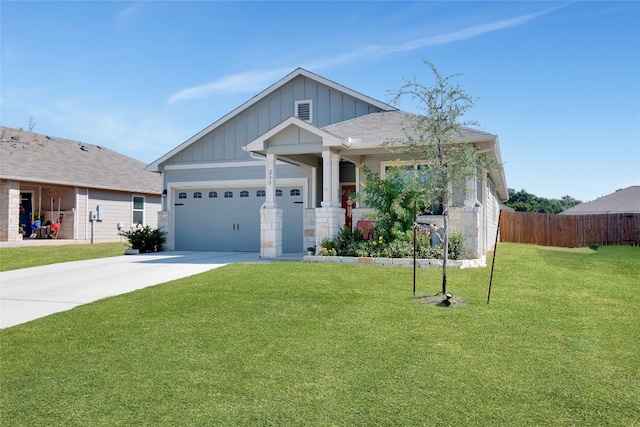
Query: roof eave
x=79, y=184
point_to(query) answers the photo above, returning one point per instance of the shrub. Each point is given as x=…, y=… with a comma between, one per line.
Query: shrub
x=346, y=243
x=328, y=252
x=392, y=199
x=349, y=243
x=397, y=249
x=145, y=239
x=457, y=246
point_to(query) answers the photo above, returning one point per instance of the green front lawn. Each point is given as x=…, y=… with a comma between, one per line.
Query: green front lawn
x=293, y=344
x=33, y=256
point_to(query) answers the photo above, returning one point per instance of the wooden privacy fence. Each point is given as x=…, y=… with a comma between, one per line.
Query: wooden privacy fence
x=570, y=231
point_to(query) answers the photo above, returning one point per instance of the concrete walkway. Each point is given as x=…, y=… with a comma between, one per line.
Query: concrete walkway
x=30, y=293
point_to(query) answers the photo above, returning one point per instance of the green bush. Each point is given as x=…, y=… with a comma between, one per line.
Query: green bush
x=145, y=239
x=349, y=243
x=392, y=199
x=396, y=249
x=457, y=246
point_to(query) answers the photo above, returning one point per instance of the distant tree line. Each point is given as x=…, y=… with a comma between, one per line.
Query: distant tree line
x=526, y=202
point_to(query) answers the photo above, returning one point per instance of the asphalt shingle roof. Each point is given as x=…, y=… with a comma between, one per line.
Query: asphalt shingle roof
x=39, y=158
x=626, y=200
x=376, y=128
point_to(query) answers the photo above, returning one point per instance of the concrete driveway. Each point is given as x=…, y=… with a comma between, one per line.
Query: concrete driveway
x=30, y=293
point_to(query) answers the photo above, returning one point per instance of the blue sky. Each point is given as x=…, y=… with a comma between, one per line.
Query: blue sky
x=558, y=82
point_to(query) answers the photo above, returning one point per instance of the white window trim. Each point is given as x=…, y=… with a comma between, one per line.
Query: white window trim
x=133, y=209
x=385, y=164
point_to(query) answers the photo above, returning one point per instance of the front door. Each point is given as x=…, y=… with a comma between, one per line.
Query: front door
x=25, y=212
x=346, y=190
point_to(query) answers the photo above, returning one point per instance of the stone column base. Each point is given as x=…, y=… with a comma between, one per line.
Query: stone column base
x=270, y=233
x=10, y=211
x=328, y=222
x=163, y=225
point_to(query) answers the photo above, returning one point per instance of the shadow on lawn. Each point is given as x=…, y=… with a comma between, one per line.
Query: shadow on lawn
x=440, y=300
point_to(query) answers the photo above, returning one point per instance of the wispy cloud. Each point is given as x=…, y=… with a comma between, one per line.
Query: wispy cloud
x=126, y=15
x=242, y=82
x=255, y=80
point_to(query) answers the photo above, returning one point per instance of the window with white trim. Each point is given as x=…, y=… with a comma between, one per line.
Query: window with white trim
x=197, y=195
x=278, y=193
x=304, y=110
x=408, y=169
x=244, y=193
x=213, y=195
x=261, y=193
x=294, y=192
x=228, y=194
x=416, y=167
x=137, y=216
x=182, y=195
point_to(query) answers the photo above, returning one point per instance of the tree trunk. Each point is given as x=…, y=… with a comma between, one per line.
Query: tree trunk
x=445, y=244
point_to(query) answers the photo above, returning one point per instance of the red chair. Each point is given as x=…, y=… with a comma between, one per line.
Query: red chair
x=55, y=228
x=366, y=228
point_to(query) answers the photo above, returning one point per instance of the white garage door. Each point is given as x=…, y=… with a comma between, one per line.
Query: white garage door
x=228, y=219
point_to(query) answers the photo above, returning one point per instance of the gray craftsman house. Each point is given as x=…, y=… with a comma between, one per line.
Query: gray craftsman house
x=61, y=183
x=273, y=175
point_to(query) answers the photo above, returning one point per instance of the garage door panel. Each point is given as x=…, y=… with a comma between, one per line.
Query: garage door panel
x=222, y=220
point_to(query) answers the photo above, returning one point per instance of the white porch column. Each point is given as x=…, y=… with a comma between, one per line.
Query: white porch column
x=329, y=217
x=270, y=215
x=271, y=182
x=330, y=179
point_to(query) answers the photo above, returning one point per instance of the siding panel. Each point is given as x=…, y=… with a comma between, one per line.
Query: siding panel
x=207, y=148
x=118, y=208
x=286, y=103
x=335, y=107
x=321, y=116
x=82, y=214
x=240, y=135
x=252, y=124
x=229, y=142
x=263, y=118
x=218, y=145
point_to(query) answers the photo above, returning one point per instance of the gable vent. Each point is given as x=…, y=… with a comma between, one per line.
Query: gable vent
x=303, y=110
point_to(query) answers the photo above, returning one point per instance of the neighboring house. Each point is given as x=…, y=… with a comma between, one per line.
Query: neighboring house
x=273, y=175
x=626, y=200
x=63, y=181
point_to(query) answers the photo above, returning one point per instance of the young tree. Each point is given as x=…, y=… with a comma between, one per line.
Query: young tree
x=430, y=138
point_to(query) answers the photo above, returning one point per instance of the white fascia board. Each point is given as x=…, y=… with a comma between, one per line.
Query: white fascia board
x=154, y=167
x=79, y=184
x=222, y=165
x=261, y=182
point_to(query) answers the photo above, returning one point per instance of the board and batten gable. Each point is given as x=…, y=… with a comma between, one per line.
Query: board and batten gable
x=225, y=143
